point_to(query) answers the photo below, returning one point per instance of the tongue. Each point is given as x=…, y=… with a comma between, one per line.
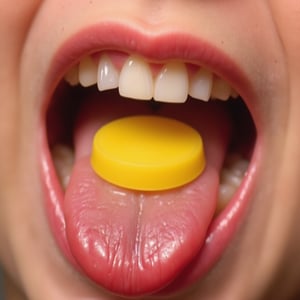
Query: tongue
x=136, y=243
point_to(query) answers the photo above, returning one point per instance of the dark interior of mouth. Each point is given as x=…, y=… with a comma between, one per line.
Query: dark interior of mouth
x=64, y=118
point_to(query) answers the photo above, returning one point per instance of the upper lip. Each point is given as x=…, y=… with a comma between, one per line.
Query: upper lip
x=161, y=47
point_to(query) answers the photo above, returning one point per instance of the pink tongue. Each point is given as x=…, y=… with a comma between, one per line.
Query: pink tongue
x=134, y=243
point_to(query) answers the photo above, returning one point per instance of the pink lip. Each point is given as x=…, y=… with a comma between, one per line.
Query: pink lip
x=157, y=47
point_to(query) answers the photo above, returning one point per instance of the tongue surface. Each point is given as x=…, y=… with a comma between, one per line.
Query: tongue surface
x=135, y=243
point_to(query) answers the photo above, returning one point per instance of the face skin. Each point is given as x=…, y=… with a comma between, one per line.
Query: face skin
x=261, y=37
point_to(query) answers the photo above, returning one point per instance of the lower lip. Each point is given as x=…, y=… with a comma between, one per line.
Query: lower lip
x=220, y=233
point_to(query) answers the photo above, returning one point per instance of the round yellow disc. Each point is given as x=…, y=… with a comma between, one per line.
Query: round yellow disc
x=147, y=153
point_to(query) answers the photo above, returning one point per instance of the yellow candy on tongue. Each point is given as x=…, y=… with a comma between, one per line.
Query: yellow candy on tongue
x=147, y=153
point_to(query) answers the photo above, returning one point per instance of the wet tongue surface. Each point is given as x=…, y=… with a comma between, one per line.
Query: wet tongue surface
x=135, y=243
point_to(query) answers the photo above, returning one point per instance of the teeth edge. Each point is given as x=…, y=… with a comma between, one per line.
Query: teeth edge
x=202, y=85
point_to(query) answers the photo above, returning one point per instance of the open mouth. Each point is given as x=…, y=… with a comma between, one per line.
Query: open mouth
x=137, y=243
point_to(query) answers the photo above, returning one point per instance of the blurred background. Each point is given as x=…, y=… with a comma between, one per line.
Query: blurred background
x=1, y=287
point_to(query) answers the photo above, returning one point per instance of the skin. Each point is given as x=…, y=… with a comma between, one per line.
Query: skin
x=263, y=260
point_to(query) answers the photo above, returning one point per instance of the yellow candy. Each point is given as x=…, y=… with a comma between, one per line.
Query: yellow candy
x=147, y=153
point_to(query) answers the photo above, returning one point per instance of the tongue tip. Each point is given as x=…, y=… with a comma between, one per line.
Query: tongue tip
x=129, y=280
x=121, y=285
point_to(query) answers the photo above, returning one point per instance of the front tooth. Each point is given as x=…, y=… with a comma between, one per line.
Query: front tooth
x=201, y=85
x=87, y=72
x=221, y=90
x=108, y=75
x=171, y=84
x=136, y=79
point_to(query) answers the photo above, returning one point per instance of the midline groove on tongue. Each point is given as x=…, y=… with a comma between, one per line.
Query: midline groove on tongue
x=136, y=243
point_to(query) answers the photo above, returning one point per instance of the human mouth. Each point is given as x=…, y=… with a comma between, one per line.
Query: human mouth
x=141, y=243
x=171, y=82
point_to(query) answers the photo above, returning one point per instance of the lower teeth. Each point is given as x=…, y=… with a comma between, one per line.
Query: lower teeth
x=231, y=176
x=63, y=158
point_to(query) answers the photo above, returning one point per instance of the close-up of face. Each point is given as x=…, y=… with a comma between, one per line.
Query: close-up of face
x=194, y=194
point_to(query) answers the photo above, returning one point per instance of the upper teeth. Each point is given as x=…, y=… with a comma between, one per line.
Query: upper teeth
x=173, y=83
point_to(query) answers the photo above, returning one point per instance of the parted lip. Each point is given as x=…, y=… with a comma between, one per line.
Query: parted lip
x=160, y=47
